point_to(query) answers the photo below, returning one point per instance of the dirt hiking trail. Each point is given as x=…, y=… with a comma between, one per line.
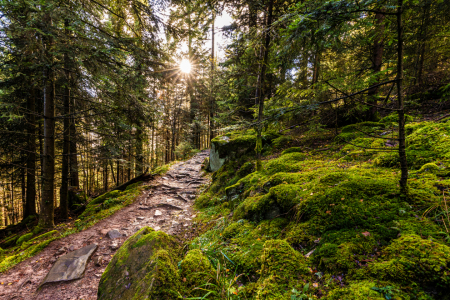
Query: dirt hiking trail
x=166, y=207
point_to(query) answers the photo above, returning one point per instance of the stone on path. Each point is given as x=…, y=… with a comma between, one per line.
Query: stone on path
x=70, y=266
x=158, y=213
x=113, y=234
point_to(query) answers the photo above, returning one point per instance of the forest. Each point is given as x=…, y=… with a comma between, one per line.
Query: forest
x=325, y=120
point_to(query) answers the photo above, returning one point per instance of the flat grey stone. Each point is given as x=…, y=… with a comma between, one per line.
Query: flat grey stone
x=70, y=266
x=114, y=234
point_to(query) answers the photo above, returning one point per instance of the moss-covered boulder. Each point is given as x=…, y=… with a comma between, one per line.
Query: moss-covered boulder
x=412, y=259
x=282, y=268
x=233, y=145
x=143, y=268
x=196, y=271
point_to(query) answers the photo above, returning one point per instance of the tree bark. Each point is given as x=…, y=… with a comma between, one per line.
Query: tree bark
x=377, y=61
x=74, y=178
x=260, y=88
x=30, y=203
x=47, y=208
x=401, y=113
x=64, y=190
x=212, y=101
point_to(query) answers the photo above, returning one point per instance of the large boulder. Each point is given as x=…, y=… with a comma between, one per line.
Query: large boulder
x=143, y=268
x=233, y=145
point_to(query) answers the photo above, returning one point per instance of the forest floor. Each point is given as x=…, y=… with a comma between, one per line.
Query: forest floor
x=165, y=205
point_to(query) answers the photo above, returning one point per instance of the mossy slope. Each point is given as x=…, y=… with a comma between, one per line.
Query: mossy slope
x=336, y=216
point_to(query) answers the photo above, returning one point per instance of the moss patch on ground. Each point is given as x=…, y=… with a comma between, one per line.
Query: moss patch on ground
x=335, y=217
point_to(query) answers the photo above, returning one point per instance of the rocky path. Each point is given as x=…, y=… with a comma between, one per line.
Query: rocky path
x=165, y=205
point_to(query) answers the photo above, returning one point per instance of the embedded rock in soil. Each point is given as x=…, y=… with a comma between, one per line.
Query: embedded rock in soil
x=70, y=266
x=143, y=268
x=114, y=234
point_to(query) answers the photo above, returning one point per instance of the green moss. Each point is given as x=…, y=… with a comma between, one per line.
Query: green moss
x=197, y=270
x=23, y=254
x=342, y=206
x=279, y=200
x=428, y=143
x=393, y=119
x=282, y=267
x=37, y=229
x=102, y=198
x=430, y=167
x=163, y=282
x=29, y=219
x=246, y=169
x=240, y=142
x=245, y=242
x=39, y=238
x=376, y=290
x=24, y=238
x=144, y=267
x=414, y=259
x=237, y=228
x=363, y=126
x=133, y=185
x=282, y=141
x=290, y=162
x=292, y=150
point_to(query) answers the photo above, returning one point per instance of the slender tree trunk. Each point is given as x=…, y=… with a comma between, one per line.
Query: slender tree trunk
x=152, y=160
x=377, y=62
x=23, y=187
x=401, y=115
x=111, y=164
x=74, y=177
x=260, y=89
x=316, y=66
x=423, y=44
x=105, y=175
x=47, y=208
x=139, y=149
x=30, y=204
x=64, y=191
x=212, y=102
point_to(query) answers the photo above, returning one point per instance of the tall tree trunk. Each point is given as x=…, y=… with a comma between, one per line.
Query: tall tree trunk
x=260, y=93
x=47, y=208
x=111, y=164
x=30, y=203
x=139, y=149
x=377, y=62
x=423, y=43
x=401, y=113
x=74, y=178
x=316, y=66
x=64, y=190
x=212, y=101
x=23, y=186
x=105, y=175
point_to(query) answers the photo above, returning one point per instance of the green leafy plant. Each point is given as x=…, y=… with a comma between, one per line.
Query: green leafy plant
x=302, y=295
x=387, y=291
